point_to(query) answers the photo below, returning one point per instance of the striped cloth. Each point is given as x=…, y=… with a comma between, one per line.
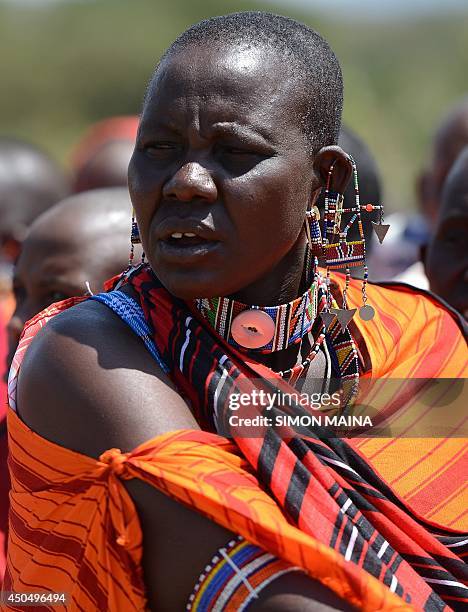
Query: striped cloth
x=7, y=306
x=409, y=340
x=316, y=503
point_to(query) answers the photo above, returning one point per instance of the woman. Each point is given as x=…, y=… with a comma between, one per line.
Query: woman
x=235, y=142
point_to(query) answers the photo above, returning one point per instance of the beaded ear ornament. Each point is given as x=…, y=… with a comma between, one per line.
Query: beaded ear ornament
x=134, y=239
x=330, y=243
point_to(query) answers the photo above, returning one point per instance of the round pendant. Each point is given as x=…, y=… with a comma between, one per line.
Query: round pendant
x=252, y=328
x=366, y=312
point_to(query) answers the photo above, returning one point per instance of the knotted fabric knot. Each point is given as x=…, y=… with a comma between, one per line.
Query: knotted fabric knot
x=115, y=459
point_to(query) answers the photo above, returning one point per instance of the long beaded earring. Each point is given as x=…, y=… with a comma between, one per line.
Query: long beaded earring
x=343, y=254
x=313, y=232
x=314, y=241
x=134, y=239
x=315, y=251
x=380, y=228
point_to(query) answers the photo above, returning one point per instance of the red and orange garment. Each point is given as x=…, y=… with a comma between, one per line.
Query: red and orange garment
x=6, y=309
x=315, y=503
x=412, y=338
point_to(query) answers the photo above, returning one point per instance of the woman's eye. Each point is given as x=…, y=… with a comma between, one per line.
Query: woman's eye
x=236, y=151
x=159, y=148
x=239, y=160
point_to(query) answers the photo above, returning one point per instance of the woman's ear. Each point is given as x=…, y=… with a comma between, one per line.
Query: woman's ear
x=342, y=167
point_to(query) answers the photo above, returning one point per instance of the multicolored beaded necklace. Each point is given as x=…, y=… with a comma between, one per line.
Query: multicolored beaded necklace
x=292, y=321
x=283, y=325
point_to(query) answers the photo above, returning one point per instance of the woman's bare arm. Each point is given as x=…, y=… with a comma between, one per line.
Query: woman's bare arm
x=88, y=383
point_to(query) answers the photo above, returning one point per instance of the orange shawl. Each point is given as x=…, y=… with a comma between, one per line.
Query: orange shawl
x=409, y=339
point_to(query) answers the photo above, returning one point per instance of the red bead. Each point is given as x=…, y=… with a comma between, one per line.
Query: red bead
x=369, y=207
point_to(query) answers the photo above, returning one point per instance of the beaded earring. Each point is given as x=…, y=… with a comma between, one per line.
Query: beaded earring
x=338, y=252
x=380, y=228
x=313, y=232
x=134, y=239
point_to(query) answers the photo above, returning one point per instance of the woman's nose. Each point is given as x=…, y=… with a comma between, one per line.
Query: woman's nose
x=191, y=182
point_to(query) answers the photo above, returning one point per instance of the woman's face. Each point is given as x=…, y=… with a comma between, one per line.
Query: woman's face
x=220, y=177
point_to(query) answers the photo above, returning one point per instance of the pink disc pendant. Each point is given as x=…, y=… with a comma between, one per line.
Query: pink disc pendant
x=252, y=328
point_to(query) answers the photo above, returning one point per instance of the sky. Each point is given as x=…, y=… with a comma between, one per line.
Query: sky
x=379, y=9
x=348, y=9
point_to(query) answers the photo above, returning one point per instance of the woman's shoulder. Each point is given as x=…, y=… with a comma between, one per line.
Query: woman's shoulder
x=60, y=335
x=89, y=321
x=88, y=383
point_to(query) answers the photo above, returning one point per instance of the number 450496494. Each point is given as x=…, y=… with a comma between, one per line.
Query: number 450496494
x=33, y=599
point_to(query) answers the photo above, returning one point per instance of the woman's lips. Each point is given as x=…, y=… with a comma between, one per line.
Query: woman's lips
x=186, y=250
x=176, y=226
x=188, y=241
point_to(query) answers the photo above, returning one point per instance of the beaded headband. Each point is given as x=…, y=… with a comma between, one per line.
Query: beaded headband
x=264, y=329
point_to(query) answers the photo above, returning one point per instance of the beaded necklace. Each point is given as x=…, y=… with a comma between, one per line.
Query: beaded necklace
x=292, y=374
x=298, y=317
x=264, y=329
x=339, y=347
x=290, y=323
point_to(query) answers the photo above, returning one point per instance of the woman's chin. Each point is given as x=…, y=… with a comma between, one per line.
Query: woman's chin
x=192, y=282
x=190, y=285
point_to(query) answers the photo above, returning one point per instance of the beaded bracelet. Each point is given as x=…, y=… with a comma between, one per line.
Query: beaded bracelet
x=235, y=576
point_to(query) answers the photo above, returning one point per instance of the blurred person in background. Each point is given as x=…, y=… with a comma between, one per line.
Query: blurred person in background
x=30, y=182
x=446, y=262
x=70, y=250
x=101, y=157
x=450, y=138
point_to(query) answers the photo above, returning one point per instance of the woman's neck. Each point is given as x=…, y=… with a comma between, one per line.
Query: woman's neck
x=284, y=283
x=287, y=281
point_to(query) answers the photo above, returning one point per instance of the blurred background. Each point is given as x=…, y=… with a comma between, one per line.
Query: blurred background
x=68, y=63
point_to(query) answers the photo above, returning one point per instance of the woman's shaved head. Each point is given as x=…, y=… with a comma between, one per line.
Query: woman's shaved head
x=308, y=61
